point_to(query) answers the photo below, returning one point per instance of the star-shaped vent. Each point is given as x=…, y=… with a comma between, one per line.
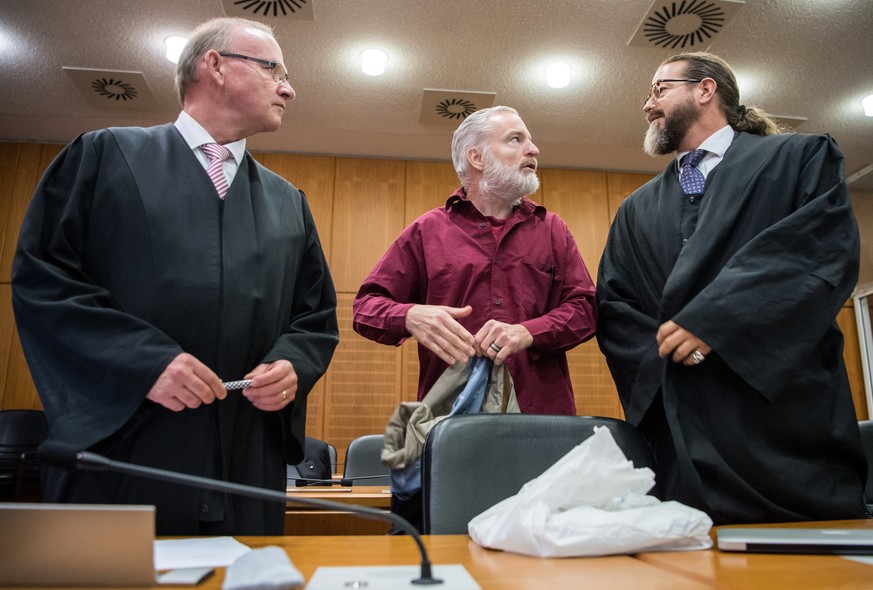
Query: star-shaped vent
x=685, y=24
x=452, y=106
x=113, y=88
x=270, y=9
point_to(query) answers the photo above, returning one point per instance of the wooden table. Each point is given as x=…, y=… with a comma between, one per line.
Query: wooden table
x=677, y=570
x=730, y=570
x=490, y=569
x=307, y=520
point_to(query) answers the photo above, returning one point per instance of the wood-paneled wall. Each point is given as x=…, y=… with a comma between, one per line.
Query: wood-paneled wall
x=360, y=205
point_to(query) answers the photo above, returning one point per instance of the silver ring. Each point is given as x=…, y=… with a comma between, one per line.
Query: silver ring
x=496, y=348
x=697, y=357
x=284, y=395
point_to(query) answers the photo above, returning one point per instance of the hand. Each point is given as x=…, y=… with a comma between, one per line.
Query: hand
x=186, y=383
x=435, y=327
x=498, y=340
x=274, y=385
x=679, y=344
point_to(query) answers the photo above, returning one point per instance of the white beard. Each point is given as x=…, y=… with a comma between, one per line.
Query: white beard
x=502, y=181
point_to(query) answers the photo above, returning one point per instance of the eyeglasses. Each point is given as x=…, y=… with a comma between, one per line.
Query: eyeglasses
x=277, y=70
x=657, y=91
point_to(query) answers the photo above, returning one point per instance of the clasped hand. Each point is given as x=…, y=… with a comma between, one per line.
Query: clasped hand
x=188, y=383
x=436, y=328
x=679, y=344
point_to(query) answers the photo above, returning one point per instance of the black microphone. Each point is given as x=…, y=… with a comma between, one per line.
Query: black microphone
x=345, y=482
x=61, y=454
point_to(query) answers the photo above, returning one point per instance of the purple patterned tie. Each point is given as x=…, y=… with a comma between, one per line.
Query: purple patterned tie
x=217, y=154
x=690, y=178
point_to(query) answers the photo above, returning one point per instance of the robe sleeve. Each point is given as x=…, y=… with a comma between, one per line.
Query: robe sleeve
x=773, y=302
x=312, y=334
x=92, y=363
x=627, y=321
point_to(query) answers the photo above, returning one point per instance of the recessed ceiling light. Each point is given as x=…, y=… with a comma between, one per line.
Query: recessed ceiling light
x=373, y=62
x=557, y=75
x=174, y=47
x=867, y=103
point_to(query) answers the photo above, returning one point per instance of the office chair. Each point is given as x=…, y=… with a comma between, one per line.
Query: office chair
x=21, y=432
x=364, y=459
x=319, y=463
x=867, y=438
x=472, y=462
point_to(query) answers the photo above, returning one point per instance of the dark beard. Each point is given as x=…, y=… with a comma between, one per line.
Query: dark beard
x=667, y=140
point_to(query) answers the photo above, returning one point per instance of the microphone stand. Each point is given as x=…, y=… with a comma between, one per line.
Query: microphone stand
x=93, y=461
x=346, y=482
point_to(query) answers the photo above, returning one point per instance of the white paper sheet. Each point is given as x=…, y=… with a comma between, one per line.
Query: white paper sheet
x=200, y=552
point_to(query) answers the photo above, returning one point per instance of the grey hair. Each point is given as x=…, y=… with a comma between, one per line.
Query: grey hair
x=473, y=133
x=700, y=65
x=213, y=34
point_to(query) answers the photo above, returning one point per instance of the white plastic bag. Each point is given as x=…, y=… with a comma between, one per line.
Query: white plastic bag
x=591, y=502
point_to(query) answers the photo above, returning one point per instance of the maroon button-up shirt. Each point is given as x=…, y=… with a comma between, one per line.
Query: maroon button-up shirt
x=534, y=276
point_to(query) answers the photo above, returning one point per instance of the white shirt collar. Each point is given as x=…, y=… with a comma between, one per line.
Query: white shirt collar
x=195, y=135
x=716, y=144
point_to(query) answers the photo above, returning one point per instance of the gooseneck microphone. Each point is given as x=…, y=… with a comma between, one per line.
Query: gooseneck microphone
x=60, y=454
x=346, y=482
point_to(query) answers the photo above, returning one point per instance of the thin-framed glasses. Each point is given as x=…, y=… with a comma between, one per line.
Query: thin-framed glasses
x=277, y=70
x=656, y=92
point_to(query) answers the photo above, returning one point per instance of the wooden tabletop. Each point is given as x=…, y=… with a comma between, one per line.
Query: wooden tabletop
x=490, y=569
x=677, y=570
x=373, y=496
x=731, y=570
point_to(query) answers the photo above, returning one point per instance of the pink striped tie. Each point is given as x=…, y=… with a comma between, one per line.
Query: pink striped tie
x=217, y=154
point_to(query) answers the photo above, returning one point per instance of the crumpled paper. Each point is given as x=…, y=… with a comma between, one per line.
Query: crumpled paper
x=267, y=568
x=591, y=502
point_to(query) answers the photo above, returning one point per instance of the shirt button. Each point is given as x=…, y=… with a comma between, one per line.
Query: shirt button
x=497, y=302
x=481, y=225
x=204, y=508
x=690, y=199
x=684, y=241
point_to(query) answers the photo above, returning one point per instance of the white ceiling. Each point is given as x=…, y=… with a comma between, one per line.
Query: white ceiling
x=809, y=59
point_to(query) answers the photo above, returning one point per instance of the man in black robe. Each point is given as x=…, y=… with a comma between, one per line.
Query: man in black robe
x=717, y=308
x=140, y=284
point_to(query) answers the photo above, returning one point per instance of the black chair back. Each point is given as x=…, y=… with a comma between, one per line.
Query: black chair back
x=364, y=460
x=21, y=433
x=867, y=438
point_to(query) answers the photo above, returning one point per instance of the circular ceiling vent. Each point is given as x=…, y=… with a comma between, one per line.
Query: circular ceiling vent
x=112, y=89
x=270, y=7
x=455, y=108
x=684, y=25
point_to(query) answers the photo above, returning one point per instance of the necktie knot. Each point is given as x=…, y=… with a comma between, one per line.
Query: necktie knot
x=217, y=154
x=690, y=178
x=693, y=158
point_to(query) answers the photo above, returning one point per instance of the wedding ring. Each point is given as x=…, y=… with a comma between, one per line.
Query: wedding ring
x=697, y=357
x=284, y=395
x=495, y=348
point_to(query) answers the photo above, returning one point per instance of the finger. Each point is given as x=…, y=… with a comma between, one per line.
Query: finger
x=665, y=330
x=486, y=335
x=683, y=351
x=450, y=348
x=501, y=356
x=459, y=312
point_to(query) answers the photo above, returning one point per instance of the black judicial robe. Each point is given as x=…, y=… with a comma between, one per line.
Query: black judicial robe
x=758, y=268
x=126, y=258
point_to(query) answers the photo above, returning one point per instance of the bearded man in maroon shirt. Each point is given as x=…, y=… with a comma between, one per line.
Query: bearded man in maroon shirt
x=490, y=274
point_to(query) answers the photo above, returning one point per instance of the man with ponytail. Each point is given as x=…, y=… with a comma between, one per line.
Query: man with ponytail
x=717, y=296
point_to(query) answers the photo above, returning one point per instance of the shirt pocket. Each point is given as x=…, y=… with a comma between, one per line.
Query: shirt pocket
x=538, y=287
